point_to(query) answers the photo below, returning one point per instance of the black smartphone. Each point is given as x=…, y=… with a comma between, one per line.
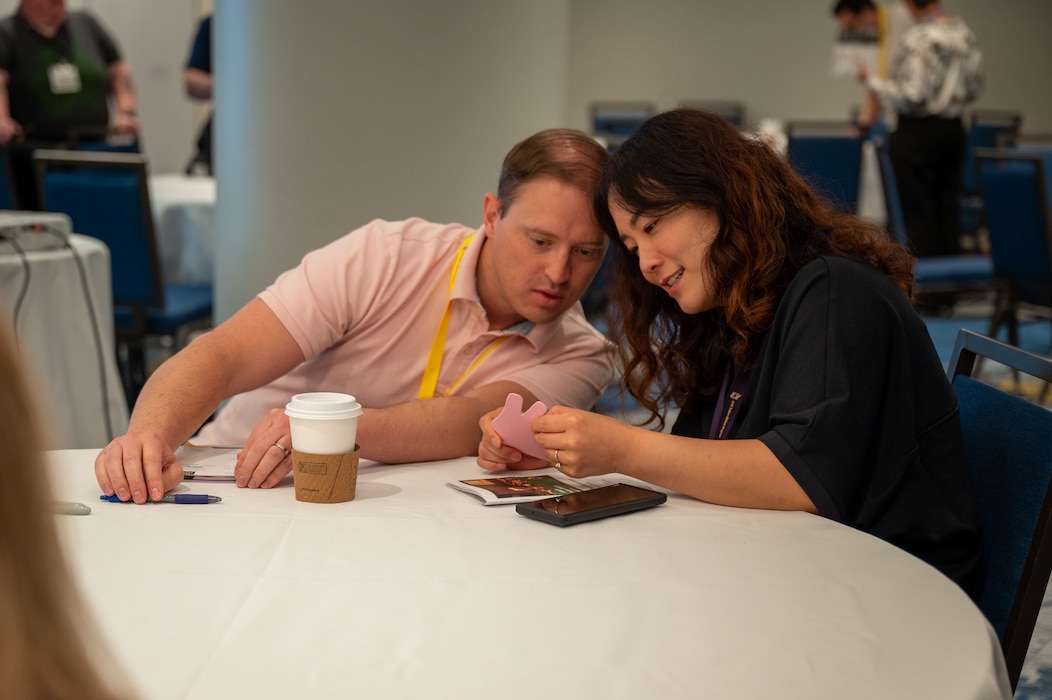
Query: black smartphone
x=593, y=504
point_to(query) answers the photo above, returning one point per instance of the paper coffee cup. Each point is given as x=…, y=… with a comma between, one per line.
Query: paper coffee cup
x=323, y=422
x=320, y=478
x=324, y=455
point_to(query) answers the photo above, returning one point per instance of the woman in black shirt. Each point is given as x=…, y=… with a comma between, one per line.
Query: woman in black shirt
x=784, y=331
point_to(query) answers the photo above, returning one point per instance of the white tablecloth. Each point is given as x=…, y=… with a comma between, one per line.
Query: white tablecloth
x=184, y=216
x=415, y=590
x=73, y=362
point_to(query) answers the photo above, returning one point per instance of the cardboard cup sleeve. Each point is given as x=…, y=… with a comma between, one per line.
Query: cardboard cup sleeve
x=325, y=478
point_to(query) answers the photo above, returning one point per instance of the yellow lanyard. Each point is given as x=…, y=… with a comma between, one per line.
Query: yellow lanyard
x=434, y=359
x=882, y=46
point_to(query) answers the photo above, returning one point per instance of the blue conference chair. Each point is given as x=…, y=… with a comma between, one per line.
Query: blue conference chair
x=732, y=111
x=7, y=188
x=986, y=129
x=99, y=139
x=1007, y=442
x=106, y=196
x=1017, y=190
x=939, y=273
x=829, y=156
x=616, y=121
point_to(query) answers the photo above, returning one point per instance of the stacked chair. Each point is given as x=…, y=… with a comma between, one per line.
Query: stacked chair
x=1016, y=189
x=986, y=129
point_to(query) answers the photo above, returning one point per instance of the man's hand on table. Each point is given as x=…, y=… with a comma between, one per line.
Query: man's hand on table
x=266, y=456
x=137, y=466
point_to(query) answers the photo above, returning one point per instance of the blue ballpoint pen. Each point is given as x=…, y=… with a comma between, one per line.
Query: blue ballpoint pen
x=170, y=498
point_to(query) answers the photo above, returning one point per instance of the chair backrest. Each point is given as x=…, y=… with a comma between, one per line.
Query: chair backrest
x=896, y=223
x=620, y=118
x=616, y=121
x=100, y=139
x=107, y=197
x=7, y=183
x=829, y=156
x=1007, y=439
x=731, y=110
x=987, y=129
x=1016, y=191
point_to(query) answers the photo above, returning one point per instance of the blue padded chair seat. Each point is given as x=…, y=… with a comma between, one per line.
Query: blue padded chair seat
x=962, y=270
x=184, y=303
x=954, y=268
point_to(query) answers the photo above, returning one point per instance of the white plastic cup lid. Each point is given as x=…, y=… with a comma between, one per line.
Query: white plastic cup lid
x=323, y=405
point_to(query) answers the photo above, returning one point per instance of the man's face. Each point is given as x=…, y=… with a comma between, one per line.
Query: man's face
x=540, y=256
x=51, y=12
x=864, y=20
x=846, y=19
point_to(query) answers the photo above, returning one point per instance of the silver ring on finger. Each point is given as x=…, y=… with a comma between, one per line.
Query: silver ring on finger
x=558, y=464
x=286, y=451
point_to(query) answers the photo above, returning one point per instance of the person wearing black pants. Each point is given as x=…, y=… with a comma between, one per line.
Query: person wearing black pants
x=927, y=155
x=935, y=77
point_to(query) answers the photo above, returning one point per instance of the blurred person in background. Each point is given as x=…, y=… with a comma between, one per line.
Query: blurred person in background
x=937, y=75
x=878, y=29
x=197, y=81
x=59, y=71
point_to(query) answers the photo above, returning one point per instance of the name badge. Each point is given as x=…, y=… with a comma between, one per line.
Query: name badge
x=64, y=78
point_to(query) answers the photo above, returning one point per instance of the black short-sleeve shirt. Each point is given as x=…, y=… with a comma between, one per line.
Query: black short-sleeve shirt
x=27, y=55
x=850, y=395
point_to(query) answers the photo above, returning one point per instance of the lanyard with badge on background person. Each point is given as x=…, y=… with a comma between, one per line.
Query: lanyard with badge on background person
x=63, y=76
x=434, y=360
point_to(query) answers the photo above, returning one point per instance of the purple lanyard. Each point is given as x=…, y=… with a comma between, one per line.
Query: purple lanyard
x=729, y=403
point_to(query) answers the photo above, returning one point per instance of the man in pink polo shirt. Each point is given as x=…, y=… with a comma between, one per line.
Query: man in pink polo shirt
x=361, y=316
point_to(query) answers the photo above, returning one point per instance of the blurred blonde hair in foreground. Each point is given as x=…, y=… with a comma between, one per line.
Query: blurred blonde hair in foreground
x=48, y=647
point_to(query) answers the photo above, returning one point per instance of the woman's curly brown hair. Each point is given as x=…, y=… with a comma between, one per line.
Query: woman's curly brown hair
x=770, y=225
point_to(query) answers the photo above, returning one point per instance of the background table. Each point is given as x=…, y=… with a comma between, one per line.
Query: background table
x=415, y=590
x=73, y=361
x=184, y=216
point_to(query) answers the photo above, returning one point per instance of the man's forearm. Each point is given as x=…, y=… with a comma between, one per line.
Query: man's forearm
x=227, y=360
x=5, y=103
x=179, y=396
x=122, y=89
x=422, y=431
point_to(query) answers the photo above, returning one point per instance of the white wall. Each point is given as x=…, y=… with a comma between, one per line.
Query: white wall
x=774, y=56
x=1017, y=55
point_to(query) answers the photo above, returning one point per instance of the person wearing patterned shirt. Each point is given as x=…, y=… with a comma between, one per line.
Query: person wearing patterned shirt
x=937, y=75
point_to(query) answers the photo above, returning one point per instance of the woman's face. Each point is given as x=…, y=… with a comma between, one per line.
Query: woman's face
x=673, y=250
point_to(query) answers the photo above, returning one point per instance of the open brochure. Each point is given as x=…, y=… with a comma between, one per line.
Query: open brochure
x=522, y=489
x=208, y=462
